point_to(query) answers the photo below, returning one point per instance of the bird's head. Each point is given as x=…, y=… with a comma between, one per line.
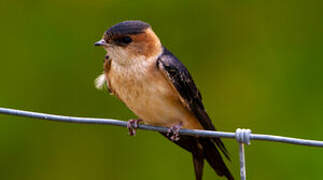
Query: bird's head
x=130, y=40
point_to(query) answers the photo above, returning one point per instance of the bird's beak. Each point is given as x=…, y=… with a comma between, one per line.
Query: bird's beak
x=100, y=43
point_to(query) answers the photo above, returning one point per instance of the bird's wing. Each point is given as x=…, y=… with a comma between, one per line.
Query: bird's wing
x=180, y=79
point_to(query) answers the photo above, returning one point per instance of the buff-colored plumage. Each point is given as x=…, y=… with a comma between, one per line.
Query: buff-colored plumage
x=144, y=89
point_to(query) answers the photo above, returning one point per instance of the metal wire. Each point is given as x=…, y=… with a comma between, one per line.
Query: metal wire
x=243, y=136
x=243, y=173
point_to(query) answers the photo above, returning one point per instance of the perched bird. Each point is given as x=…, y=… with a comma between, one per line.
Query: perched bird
x=158, y=88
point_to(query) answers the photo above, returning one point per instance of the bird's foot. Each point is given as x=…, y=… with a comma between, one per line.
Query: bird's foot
x=173, y=132
x=132, y=125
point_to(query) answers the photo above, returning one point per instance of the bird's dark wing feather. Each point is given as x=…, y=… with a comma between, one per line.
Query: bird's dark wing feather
x=179, y=77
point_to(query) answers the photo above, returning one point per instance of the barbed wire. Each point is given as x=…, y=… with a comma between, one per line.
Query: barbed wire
x=243, y=136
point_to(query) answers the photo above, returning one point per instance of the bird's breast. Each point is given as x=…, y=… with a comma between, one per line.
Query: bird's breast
x=144, y=89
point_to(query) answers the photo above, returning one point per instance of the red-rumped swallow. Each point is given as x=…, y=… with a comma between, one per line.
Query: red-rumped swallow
x=158, y=88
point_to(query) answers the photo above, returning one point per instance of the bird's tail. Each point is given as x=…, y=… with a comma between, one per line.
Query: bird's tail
x=214, y=158
x=198, y=162
x=204, y=148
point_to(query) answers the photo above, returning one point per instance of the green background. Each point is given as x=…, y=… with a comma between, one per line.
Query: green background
x=258, y=65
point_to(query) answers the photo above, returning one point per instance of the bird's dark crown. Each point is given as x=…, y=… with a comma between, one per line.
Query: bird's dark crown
x=128, y=27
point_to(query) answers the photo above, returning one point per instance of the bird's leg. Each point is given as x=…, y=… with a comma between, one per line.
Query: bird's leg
x=132, y=125
x=173, y=132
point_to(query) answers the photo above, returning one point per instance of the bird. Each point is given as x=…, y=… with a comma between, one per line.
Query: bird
x=159, y=89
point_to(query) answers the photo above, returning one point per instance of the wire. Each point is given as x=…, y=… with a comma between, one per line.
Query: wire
x=243, y=136
x=202, y=133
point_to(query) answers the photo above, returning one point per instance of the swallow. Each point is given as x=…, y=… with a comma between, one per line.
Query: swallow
x=158, y=88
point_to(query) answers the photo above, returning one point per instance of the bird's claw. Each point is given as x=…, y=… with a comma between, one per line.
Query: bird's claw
x=132, y=125
x=173, y=132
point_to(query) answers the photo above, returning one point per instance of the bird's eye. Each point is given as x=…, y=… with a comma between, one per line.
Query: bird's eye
x=124, y=40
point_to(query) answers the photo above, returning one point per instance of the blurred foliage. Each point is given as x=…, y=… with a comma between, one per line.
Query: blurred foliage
x=258, y=65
